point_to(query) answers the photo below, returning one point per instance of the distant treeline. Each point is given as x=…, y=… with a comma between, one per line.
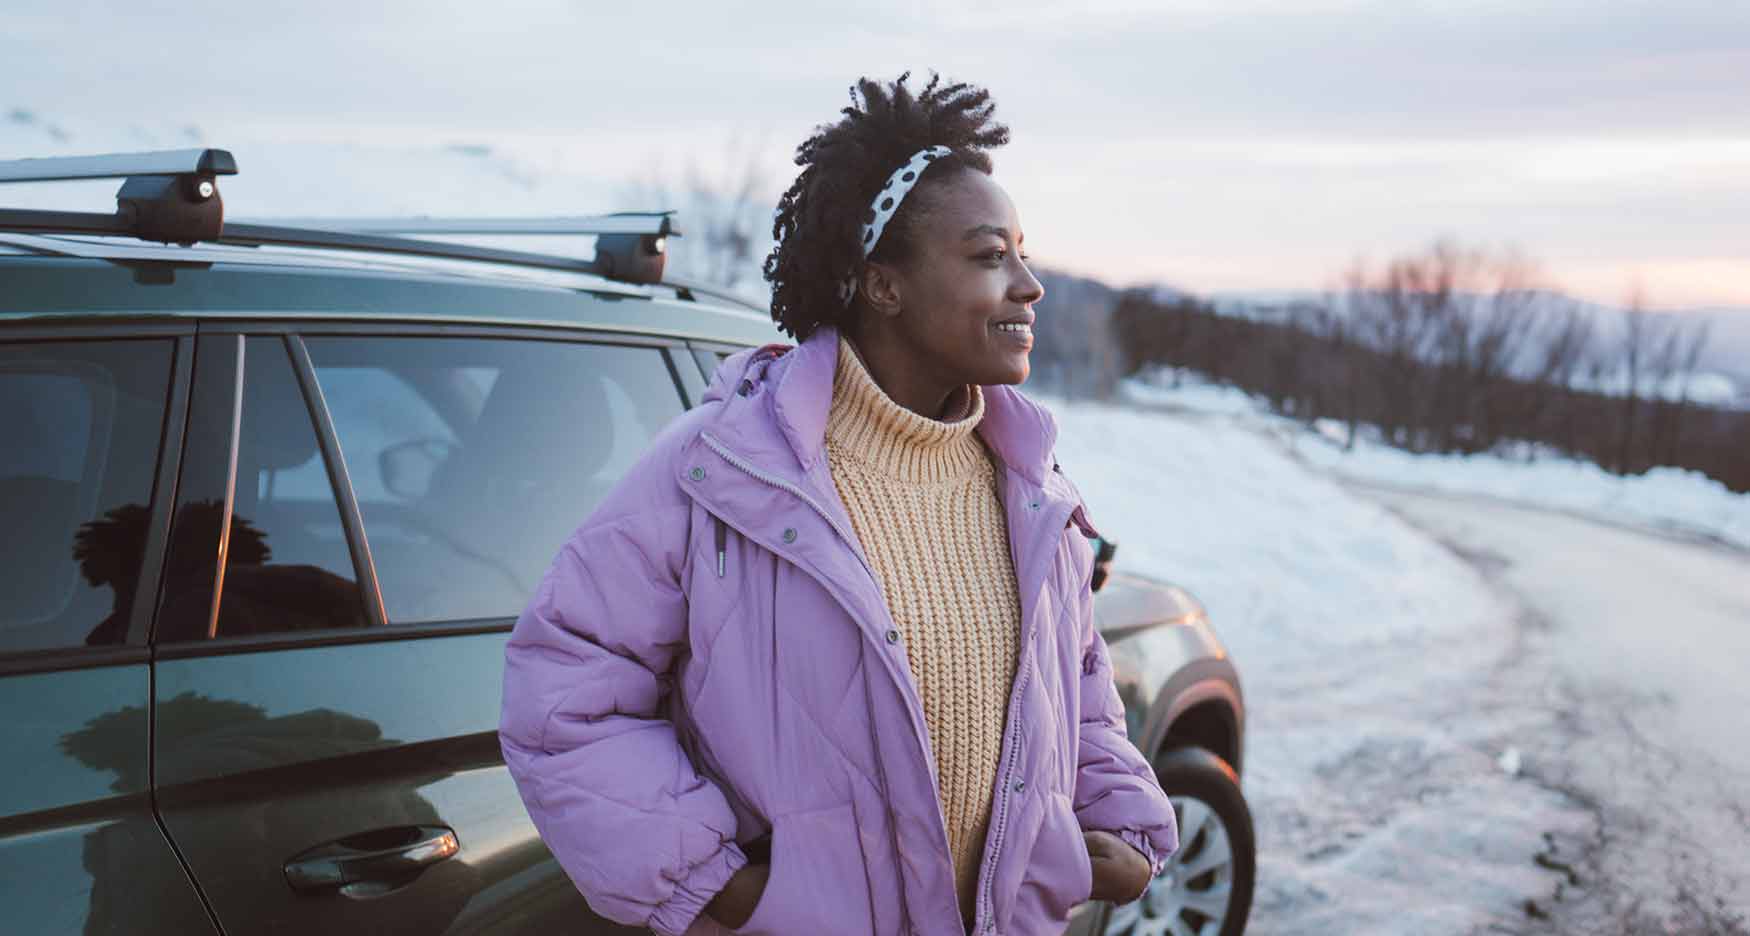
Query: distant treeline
x=1451, y=351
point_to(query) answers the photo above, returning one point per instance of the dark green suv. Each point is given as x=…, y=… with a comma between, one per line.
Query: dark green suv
x=273, y=500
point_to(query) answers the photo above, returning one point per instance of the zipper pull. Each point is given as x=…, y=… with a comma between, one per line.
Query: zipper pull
x=722, y=540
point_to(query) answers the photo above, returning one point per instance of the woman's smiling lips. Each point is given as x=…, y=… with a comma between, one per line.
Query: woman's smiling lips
x=1018, y=330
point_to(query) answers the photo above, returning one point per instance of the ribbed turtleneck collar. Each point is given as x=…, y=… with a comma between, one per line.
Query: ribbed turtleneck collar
x=865, y=424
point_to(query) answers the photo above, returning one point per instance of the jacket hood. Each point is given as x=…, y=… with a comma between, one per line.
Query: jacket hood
x=797, y=380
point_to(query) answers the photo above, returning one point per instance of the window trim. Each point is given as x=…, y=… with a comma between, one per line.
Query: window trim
x=164, y=486
x=719, y=347
x=352, y=517
x=224, y=557
x=24, y=330
x=337, y=328
x=686, y=378
x=339, y=636
x=134, y=648
x=59, y=659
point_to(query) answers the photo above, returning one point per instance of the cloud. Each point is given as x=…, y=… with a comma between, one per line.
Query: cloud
x=1244, y=138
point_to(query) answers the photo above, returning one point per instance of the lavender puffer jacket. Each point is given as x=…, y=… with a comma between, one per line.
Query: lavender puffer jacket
x=709, y=660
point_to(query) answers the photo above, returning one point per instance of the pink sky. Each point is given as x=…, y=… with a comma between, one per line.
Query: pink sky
x=1246, y=144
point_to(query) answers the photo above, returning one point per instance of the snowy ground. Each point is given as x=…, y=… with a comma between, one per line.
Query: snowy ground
x=1420, y=758
x=1670, y=499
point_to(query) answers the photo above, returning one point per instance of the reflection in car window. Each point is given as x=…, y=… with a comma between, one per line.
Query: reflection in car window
x=81, y=423
x=288, y=566
x=474, y=459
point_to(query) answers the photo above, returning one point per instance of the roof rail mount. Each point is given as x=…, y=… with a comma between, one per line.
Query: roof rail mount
x=170, y=196
x=636, y=257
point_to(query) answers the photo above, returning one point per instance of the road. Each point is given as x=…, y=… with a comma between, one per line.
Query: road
x=1638, y=646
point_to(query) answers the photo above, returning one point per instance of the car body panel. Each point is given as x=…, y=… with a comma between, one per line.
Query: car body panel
x=1166, y=661
x=265, y=755
x=80, y=851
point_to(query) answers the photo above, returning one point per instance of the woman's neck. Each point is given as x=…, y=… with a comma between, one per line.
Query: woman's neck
x=894, y=370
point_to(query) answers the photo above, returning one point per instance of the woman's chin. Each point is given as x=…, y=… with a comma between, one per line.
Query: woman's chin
x=1014, y=370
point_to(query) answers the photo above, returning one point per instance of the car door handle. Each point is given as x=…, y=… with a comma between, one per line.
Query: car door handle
x=372, y=862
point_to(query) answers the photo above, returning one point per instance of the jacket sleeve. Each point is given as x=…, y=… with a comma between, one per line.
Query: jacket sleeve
x=645, y=838
x=1116, y=790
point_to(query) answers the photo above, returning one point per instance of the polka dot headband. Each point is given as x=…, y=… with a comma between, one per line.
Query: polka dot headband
x=886, y=204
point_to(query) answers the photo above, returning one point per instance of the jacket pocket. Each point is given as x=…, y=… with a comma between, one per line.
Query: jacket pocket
x=1058, y=875
x=1061, y=811
x=818, y=882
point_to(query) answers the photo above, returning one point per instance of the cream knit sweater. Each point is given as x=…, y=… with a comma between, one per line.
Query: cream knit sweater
x=923, y=501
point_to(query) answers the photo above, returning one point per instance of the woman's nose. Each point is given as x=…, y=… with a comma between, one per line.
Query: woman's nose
x=1028, y=290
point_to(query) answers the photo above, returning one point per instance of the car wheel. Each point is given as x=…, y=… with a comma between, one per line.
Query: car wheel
x=1206, y=887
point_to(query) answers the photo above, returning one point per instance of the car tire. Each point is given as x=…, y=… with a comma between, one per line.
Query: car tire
x=1207, y=884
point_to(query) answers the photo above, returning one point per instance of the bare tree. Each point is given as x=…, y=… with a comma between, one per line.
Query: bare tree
x=1563, y=350
x=1411, y=315
x=1681, y=359
x=1499, y=334
x=1635, y=352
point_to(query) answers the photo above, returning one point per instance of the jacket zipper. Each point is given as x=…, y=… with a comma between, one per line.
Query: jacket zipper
x=988, y=915
x=722, y=543
x=880, y=763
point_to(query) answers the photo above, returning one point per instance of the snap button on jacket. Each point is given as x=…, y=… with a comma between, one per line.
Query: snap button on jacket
x=709, y=663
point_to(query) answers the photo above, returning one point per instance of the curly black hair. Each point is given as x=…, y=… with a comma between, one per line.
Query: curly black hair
x=819, y=219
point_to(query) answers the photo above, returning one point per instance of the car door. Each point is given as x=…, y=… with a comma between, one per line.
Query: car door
x=366, y=514
x=90, y=428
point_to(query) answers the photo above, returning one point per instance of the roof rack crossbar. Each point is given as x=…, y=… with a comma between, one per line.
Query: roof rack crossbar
x=263, y=235
x=649, y=223
x=30, y=221
x=210, y=162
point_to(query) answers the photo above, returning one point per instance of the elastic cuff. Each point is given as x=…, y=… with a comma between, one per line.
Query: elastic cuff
x=704, y=881
x=1140, y=842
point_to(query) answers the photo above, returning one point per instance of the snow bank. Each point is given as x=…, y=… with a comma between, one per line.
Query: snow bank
x=1289, y=563
x=1666, y=499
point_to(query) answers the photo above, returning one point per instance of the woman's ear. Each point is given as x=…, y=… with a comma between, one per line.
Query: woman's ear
x=880, y=286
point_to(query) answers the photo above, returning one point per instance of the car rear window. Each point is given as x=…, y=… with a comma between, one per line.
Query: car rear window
x=473, y=459
x=80, y=424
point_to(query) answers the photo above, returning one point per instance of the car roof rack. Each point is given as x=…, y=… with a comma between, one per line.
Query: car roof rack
x=170, y=196
x=631, y=246
x=620, y=222
x=173, y=197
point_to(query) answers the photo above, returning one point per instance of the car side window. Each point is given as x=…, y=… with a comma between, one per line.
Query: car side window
x=81, y=423
x=473, y=459
x=287, y=566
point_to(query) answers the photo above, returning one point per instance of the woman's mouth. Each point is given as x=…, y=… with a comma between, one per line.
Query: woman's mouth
x=1016, y=336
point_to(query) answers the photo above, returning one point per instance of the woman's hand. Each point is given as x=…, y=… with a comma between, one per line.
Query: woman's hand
x=734, y=904
x=1121, y=873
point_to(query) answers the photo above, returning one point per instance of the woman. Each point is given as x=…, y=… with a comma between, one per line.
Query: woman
x=825, y=662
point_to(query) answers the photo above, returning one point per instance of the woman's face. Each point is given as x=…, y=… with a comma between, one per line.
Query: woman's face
x=965, y=297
